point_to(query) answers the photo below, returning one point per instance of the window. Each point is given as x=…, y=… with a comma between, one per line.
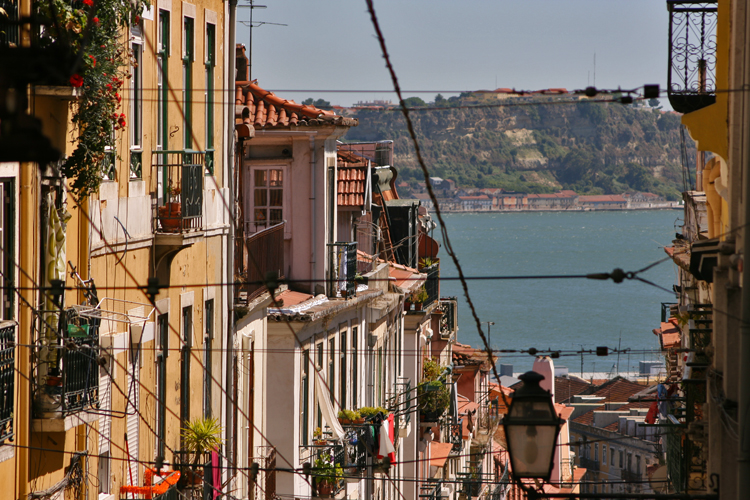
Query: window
x=305, y=395
x=604, y=454
x=622, y=463
x=208, y=312
x=320, y=367
x=355, y=367
x=161, y=383
x=162, y=83
x=342, y=368
x=637, y=464
x=136, y=113
x=7, y=248
x=612, y=456
x=332, y=366
x=596, y=452
x=187, y=80
x=267, y=197
x=187, y=343
x=210, y=65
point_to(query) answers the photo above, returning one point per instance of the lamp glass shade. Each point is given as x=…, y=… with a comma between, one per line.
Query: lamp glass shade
x=531, y=429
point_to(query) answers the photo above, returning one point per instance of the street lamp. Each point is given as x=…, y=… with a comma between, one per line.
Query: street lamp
x=531, y=429
x=489, y=324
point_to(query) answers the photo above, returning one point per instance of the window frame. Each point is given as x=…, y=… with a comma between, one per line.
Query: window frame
x=251, y=226
x=188, y=58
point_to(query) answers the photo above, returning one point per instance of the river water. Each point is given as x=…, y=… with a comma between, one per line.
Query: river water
x=562, y=314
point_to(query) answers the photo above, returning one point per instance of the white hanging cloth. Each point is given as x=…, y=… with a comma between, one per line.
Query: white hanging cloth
x=326, y=409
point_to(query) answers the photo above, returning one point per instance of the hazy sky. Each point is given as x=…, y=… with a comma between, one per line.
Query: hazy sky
x=457, y=45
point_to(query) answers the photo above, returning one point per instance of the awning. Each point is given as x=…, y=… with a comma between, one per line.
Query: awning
x=326, y=408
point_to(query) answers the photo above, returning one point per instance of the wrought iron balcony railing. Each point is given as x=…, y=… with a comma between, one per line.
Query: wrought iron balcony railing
x=178, y=193
x=691, y=79
x=454, y=433
x=630, y=476
x=7, y=374
x=262, y=259
x=589, y=464
x=449, y=320
x=343, y=269
x=336, y=456
x=9, y=28
x=265, y=484
x=402, y=403
x=431, y=490
x=432, y=284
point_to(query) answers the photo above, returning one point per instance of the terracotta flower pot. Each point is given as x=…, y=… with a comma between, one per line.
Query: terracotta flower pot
x=170, y=217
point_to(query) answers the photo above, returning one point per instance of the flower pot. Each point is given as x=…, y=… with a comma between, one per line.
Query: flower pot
x=325, y=489
x=345, y=421
x=170, y=217
x=360, y=421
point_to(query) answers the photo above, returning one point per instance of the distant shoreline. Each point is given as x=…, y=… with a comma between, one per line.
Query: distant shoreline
x=574, y=210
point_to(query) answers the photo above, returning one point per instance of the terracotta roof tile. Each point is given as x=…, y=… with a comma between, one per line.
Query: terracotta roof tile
x=266, y=110
x=439, y=453
x=617, y=390
x=567, y=387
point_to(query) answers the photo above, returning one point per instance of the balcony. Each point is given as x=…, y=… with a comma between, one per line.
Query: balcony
x=589, y=464
x=342, y=265
x=691, y=79
x=630, y=477
x=178, y=195
x=473, y=479
x=262, y=258
x=196, y=475
x=67, y=367
x=401, y=405
x=265, y=483
x=432, y=284
x=7, y=374
x=454, y=433
x=449, y=319
x=433, y=490
x=321, y=457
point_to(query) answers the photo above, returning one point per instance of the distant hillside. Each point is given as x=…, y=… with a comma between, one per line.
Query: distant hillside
x=588, y=147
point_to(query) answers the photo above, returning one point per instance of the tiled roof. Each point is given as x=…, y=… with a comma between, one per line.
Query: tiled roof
x=567, y=387
x=618, y=390
x=466, y=355
x=351, y=186
x=588, y=417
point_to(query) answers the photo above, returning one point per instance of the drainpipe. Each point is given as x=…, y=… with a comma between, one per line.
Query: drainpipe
x=313, y=218
x=228, y=340
x=743, y=472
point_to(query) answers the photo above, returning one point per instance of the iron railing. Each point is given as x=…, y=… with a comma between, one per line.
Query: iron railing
x=266, y=459
x=343, y=269
x=7, y=373
x=178, y=196
x=454, y=430
x=432, y=284
x=9, y=27
x=337, y=456
x=136, y=164
x=691, y=78
x=80, y=370
x=589, y=464
x=262, y=259
x=630, y=476
x=448, y=321
x=431, y=490
x=675, y=462
x=473, y=479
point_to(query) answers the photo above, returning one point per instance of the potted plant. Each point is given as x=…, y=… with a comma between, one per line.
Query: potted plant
x=349, y=416
x=426, y=262
x=419, y=298
x=198, y=438
x=170, y=215
x=433, y=394
x=368, y=412
x=318, y=437
x=326, y=475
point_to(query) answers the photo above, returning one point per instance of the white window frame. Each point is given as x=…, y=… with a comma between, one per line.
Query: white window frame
x=286, y=187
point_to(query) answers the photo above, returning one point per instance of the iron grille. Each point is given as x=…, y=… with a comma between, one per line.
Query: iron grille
x=432, y=284
x=80, y=371
x=180, y=176
x=691, y=78
x=263, y=259
x=9, y=28
x=136, y=164
x=7, y=367
x=343, y=265
x=449, y=308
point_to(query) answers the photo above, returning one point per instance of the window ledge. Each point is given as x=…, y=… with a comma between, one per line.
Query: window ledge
x=62, y=424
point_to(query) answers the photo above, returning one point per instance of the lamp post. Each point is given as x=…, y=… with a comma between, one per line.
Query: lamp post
x=531, y=429
x=489, y=324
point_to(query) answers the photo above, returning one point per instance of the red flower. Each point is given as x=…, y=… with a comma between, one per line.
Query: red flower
x=88, y=2
x=76, y=80
x=93, y=61
x=96, y=20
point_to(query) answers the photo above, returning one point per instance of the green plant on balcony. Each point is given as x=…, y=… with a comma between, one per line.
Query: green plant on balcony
x=326, y=474
x=198, y=438
x=426, y=262
x=349, y=416
x=94, y=33
x=370, y=411
x=433, y=394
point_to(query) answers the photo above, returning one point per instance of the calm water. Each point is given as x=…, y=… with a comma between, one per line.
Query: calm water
x=562, y=314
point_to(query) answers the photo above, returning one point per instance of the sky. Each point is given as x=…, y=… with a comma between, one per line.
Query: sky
x=437, y=45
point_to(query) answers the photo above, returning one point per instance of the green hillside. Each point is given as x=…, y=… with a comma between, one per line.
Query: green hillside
x=588, y=147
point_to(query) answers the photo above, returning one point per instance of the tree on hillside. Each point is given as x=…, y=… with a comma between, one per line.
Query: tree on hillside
x=414, y=102
x=654, y=103
x=319, y=103
x=439, y=99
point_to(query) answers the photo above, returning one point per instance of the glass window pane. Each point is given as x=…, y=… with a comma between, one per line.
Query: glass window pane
x=261, y=198
x=276, y=197
x=260, y=178
x=260, y=215
x=275, y=216
x=276, y=178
